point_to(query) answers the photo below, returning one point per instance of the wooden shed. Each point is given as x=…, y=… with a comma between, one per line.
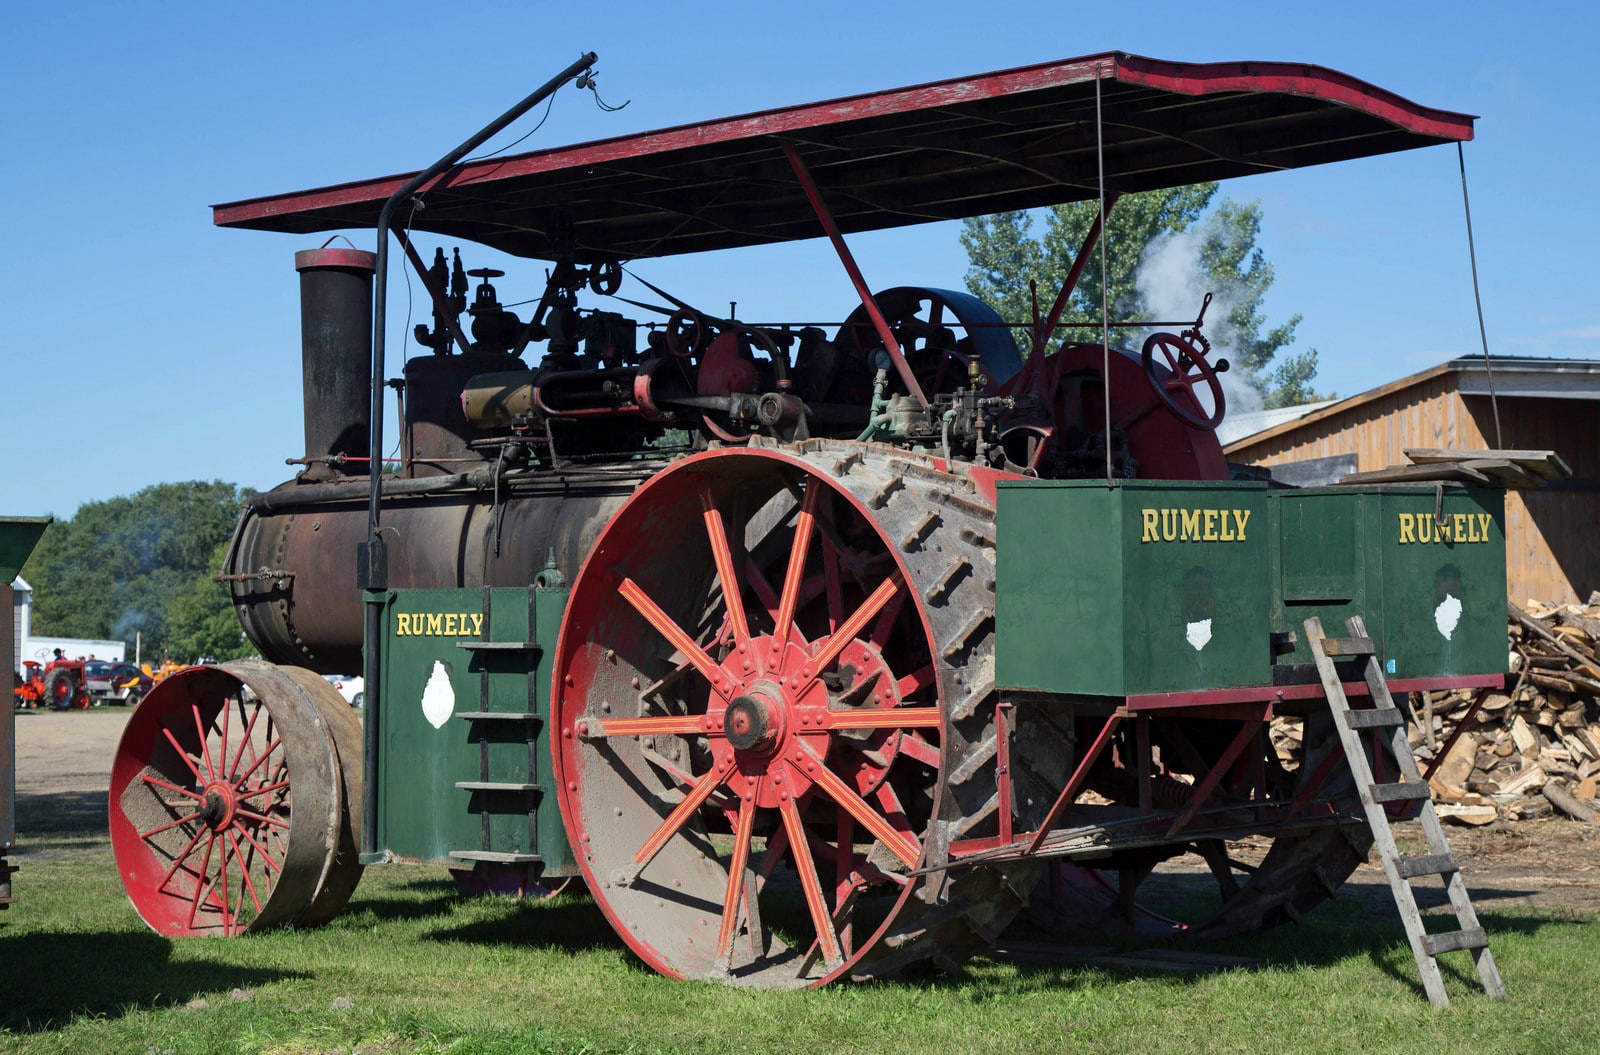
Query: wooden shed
x=1552, y=534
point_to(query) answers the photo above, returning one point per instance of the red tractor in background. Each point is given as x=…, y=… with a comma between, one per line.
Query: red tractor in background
x=58, y=684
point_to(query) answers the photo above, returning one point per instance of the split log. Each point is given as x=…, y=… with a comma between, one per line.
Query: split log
x=1568, y=803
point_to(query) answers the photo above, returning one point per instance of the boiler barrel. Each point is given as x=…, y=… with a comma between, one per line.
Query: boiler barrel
x=301, y=605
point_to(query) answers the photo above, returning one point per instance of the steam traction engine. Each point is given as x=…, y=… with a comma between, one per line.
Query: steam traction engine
x=814, y=651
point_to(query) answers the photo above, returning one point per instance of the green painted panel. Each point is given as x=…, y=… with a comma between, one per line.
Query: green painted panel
x=1433, y=600
x=427, y=744
x=1444, y=584
x=18, y=536
x=1150, y=586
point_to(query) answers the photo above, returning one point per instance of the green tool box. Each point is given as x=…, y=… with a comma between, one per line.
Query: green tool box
x=463, y=759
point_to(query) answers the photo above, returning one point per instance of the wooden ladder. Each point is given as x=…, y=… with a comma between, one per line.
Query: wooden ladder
x=1439, y=861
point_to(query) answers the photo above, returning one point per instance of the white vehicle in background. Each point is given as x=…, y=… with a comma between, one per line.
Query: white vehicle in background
x=349, y=687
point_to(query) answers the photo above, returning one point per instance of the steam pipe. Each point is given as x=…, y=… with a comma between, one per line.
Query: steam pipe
x=373, y=571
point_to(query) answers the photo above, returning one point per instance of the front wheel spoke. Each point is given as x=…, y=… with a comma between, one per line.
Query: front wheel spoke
x=244, y=871
x=158, y=782
x=205, y=741
x=272, y=745
x=202, y=884
x=806, y=868
x=737, y=866
x=906, y=850
x=170, y=824
x=263, y=818
x=676, y=819
x=676, y=635
x=882, y=718
x=266, y=857
x=245, y=740
x=263, y=789
x=183, y=855
x=916, y=681
x=183, y=754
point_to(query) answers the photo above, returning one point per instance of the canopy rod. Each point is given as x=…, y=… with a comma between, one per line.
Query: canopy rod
x=1105, y=311
x=879, y=323
x=1483, y=334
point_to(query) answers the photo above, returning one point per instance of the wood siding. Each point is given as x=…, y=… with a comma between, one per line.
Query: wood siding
x=1552, y=535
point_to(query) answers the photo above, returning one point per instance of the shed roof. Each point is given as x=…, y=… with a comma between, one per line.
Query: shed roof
x=1523, y=377
x=1014, y=139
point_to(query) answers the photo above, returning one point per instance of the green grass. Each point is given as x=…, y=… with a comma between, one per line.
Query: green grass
x=424, y=970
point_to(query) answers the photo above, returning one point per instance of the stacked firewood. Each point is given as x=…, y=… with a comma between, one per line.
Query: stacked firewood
x=1532, y=750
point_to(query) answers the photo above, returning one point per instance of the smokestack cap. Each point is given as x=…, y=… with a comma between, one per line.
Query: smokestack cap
x=357, y=259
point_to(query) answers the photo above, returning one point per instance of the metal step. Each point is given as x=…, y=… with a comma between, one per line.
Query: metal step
x=501, y=716
x=500, y=646
x=494, y=785
x=495, y=857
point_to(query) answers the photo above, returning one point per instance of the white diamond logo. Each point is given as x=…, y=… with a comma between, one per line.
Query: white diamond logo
x=1199, y=633
x=1447, y=615
x=438, y=698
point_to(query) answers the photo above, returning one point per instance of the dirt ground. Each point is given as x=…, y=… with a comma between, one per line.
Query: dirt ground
x=64, y=765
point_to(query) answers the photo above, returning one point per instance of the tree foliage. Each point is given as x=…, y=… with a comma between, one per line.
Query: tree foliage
x=1163, y=250
x=141, y=564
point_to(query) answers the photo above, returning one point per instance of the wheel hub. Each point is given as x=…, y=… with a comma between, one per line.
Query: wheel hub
x=753, y=723
x=221, y=803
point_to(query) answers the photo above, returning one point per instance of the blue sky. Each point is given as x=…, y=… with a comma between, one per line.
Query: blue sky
x=143, y=345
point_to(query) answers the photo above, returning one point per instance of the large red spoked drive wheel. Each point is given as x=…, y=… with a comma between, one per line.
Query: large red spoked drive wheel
x=231, y=809
x=775, y=703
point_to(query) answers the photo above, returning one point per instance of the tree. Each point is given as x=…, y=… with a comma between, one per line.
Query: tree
x=116, y=568
x=1164, y=250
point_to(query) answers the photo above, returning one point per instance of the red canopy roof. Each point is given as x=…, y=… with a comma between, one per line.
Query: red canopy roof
x=1015, y=139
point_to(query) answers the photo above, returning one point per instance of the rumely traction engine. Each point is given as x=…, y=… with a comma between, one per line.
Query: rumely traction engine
x=813, y=650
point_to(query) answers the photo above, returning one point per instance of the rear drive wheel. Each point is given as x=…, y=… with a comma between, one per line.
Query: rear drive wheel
x=774, y=674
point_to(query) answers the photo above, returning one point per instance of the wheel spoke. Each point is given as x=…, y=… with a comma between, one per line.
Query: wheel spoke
x=676, y=819
x=264, y=818
x=267, y=858
x=816, y=769
x=263, y=789
x=158, y=829
x=244, y=871
x=183, y=754
x=846, y=633
x=183, y=855
x=205, y=742
x=271, y=747
x=882, y=718
x=806, y=868
x=158, y=782
x=201, y=883
x=915, y=682
x=654, y=725
x=737, y=867
x=919, y=750
x=722, y=554
x=246, y=740
x=790, y=599
x=830, y=573
x=680, y=640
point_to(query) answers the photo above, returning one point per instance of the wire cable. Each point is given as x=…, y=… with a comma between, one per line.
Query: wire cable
x=1483, y=334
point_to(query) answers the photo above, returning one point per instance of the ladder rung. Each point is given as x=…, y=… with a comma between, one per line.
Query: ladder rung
x=493, y=785
x=1375, y=717
x=1426, y=865
x=503, y=716
x=500, y=646
x=1400, y=792
x=495, y=857
x=1451, y=940
x=1348, y=646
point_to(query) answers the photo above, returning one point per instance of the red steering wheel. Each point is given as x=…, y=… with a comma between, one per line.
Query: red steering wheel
x=1183, y=363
